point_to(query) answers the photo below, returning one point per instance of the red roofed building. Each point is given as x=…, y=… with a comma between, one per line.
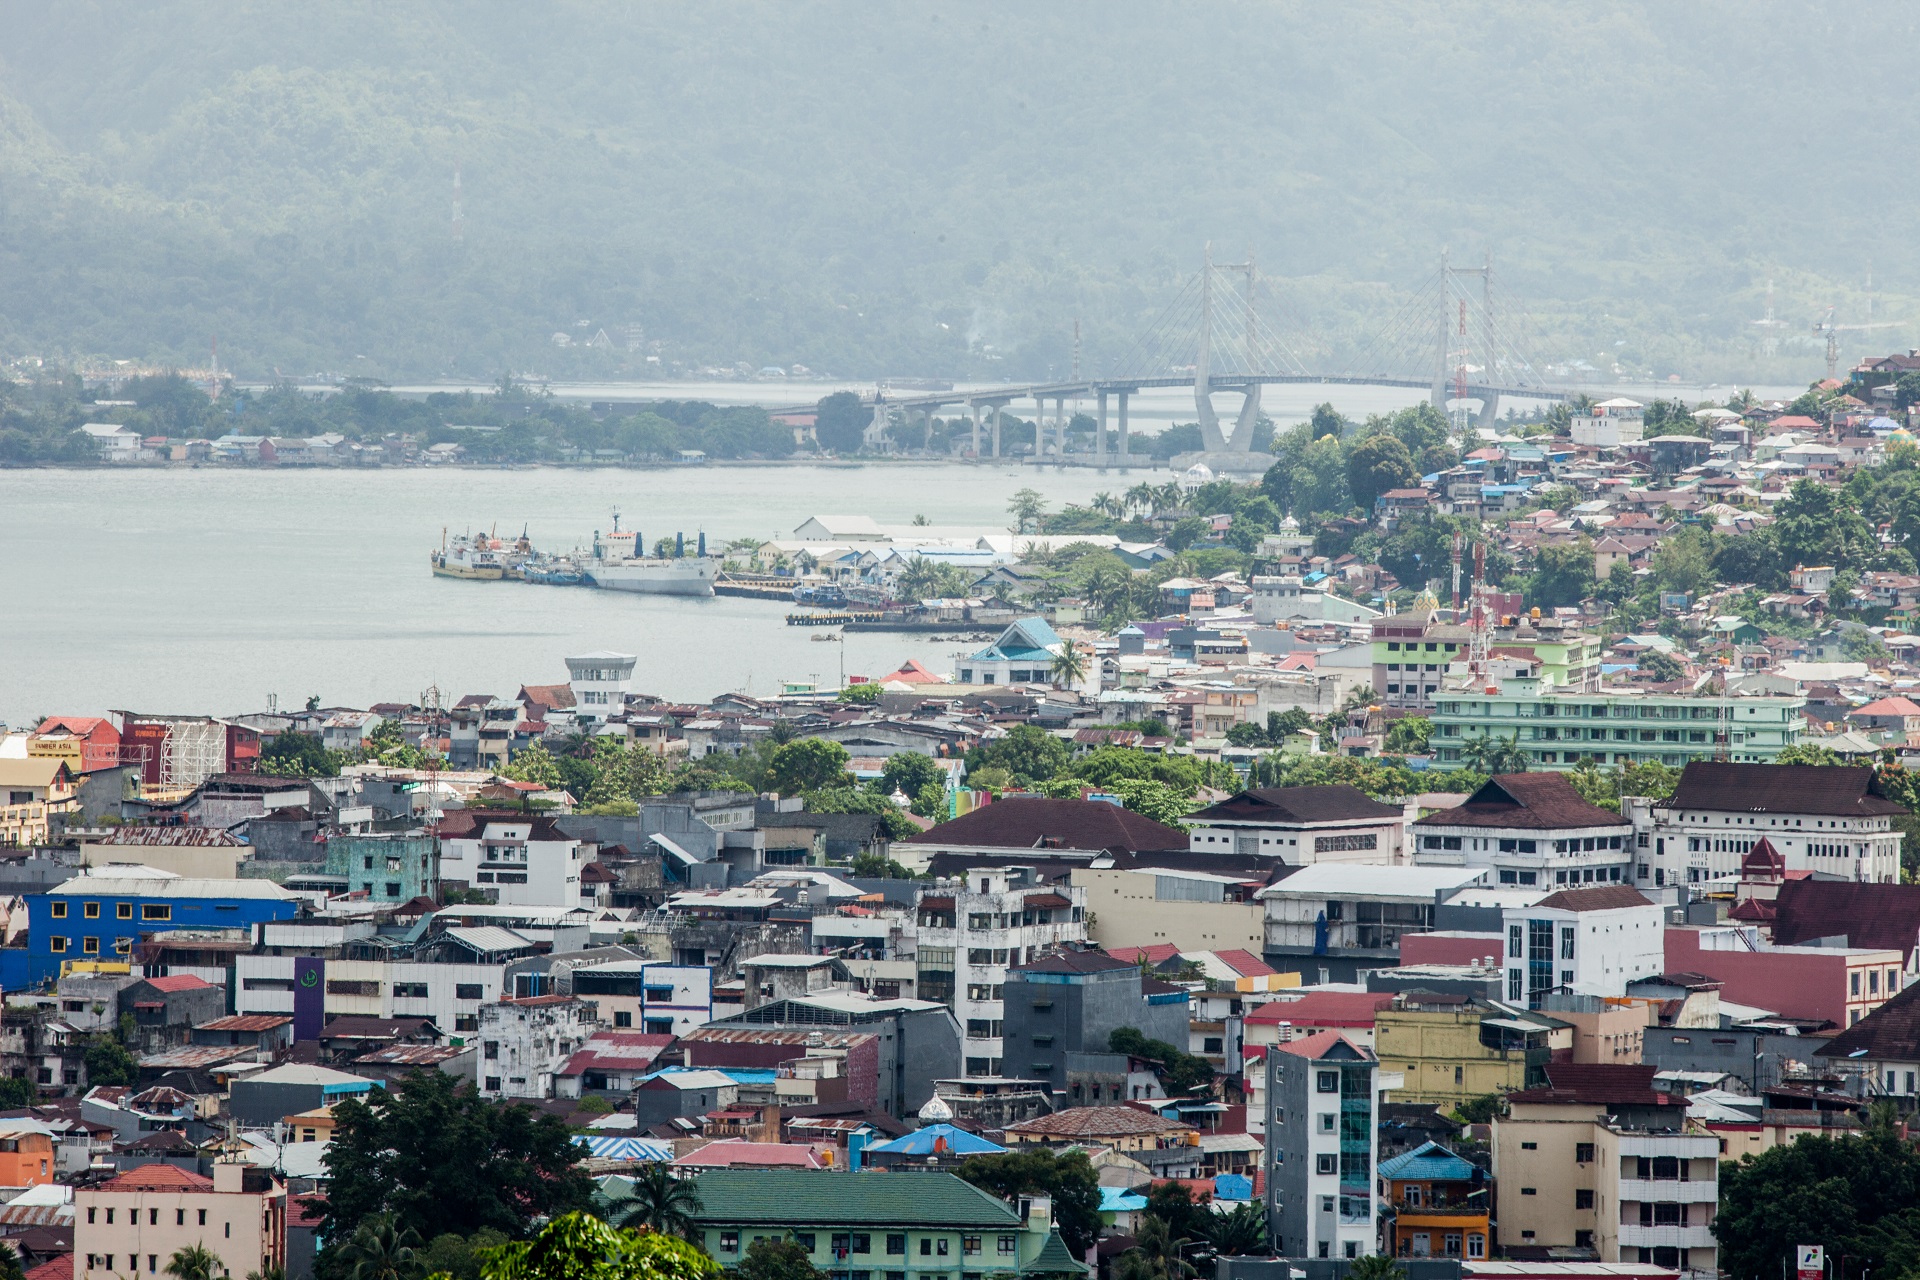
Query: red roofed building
x=136, y=1221
x=1292, y=1018
x=613, y=1061
x=737, y=1153
x=86, y=743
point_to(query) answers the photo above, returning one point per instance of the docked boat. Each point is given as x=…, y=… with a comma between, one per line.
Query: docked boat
x=619, y=563
x=464, y=557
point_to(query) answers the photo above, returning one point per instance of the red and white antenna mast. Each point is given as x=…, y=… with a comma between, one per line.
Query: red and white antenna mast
x=1478, y=655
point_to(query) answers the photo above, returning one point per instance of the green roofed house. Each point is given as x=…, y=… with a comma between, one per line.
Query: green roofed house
x=881, y=1226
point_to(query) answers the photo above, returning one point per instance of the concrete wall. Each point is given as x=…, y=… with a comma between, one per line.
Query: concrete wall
x=1799, y=982
x=1085, y=1011
x=1124, y=911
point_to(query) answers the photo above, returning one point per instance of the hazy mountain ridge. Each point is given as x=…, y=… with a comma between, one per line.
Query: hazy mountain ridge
x=831, y=184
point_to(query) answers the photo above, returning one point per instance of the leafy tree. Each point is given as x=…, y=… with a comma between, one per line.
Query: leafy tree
x=661, y=1202
x=776, y=1260
x=1490, y=755
x=298, y=755
x=1327, y=421
x=861, y=800
x=1808, y=753
x=865, y=694
x=196, y=1262
x=840, y=422
x=1906, y=391
x=1151, y=798
x=1028, y=510
x=1408, y=736
x=1173, y=1204
x=1816, y=525
x=1027, y=752
x=807, y=764
x=1157, y=1252
x=579, y=1246
x=1661, y=666
x=911, y=772
x=108, y=1063
x=433, y=1153
x=1068, y=1178
x=535, y=764
x=458, y=1257
x=17, y=1091
x=1187, y=531
x=1562, y=574
x=1481, y=1109
x=1376, y=465
x=1180, y=1072
x=1861, y=645
x=1852, y=1194
x=1069, y=666
x=1684, y=562
x=875, y=866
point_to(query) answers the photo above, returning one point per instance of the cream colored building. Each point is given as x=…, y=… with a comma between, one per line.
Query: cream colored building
x=1144, y=906
x=33, y=790
x=1601, y=1160
x=135, y=1222
x=198, y=853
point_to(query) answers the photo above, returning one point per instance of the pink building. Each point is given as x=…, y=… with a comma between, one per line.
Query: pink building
x=1840, y=985
x=1451, y=948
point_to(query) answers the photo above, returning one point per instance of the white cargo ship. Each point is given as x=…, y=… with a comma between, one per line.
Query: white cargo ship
x=619, y=563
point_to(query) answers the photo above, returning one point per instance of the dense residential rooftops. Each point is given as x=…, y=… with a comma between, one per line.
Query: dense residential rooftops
x=1096, y=1122
x=1335, y=803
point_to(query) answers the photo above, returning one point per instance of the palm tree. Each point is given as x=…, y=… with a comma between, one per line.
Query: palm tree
x=662, y=1202
x=381, y=1250
x=1241, y=1232
x=1107, y=505
x=1069, y=667
x=1140, y=497
x=272, y=1271
x=1168, y=497
x=1156, y=1241
x=195, y=1262
x=1375, y=1266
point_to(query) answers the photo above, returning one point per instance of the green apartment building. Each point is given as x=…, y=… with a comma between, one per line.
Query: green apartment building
x=880, y=1226
x=1559, y=728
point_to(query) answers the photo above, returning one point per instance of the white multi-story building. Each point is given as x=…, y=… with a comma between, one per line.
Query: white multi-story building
x=600, y=682
x=525, y=1042
x=968, y=933
x=1589, y=942
x=1331, y=921
x=450, y=994
x=1529, y=829
x=1822, y=818
x=1301, y=825
x=1321, y=1151
x=526, y=861
x=636, y=995
x=1610, y=424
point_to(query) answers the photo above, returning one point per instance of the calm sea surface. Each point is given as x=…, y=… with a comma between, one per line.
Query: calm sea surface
x=208, y=590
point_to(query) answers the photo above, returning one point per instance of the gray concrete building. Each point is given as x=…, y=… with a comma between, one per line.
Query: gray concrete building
x=919, y=1040
x=1072, y=1002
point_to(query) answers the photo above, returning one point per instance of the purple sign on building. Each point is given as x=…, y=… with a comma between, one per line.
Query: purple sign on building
x=309, y=997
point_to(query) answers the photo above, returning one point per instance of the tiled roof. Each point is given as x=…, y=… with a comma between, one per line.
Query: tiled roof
x=832, y=1198
x=1529, y=801
x=1158, y=953
x=1075, y=962
x=58, y=1267
x=1037, y=823
x=1319, y=1044
x=1885, y=916
x=178, y=982
x=1096, y=1122
x=1335, y=803
x=157, y=1177
x=1889, y=1033
x=1325, y=1009
x=1888, y=707
x=728, y=1152
x=1599, y=1084
x=1836, y=790
x=246, y=1022
x=1607, y=897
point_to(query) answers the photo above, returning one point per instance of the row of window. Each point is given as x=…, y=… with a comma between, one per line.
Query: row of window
x=57, y=908
x=844, y=1244
x=153, y=1217
x=89, y=945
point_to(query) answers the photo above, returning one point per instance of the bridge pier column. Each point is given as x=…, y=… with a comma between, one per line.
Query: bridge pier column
x=1123, y=429
x=976, y=429
x=1100, y=436
x=999, y=412
x=1489, y=417
x=1039, y=428
x=1060, y=429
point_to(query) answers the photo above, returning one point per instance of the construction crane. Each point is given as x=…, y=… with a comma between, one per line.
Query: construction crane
x=1833, y=331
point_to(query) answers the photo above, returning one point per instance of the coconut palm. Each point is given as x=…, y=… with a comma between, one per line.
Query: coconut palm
x=1069, y=666
x=1140, y=497
x=195, y=1262
x=1241, y=1232
x=1107, y=505
x=661, y=1202
x=382, y=1250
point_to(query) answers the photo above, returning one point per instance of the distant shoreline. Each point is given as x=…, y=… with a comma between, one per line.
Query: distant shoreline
x=827, y=464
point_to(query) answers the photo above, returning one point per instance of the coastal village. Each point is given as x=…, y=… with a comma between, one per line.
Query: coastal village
x=1460, y=873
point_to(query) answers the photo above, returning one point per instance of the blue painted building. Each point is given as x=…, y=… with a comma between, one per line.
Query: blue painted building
x=1024, y=653
x=102, y=917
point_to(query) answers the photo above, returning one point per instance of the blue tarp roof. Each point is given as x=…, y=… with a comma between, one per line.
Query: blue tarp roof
x=924, y=1142
x=1428, y=1162
x=1232, y=1186
x=627, y=1148
x=1120, y=1200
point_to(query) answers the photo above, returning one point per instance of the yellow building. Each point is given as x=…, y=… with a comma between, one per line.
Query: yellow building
x=1449, y=1048
x=32, y=791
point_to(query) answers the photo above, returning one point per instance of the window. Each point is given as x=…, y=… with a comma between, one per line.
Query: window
x=109, y=1217
x=926, y=1247
x=969, y=1246
x=1326, y=1122
x=90, y=946
x=155, y=911
x=1009, y=1244
x=729, y=1241
x=56, y=945
x=1326, y=1164
x=58, y=910
x=91, y=910
x=862, y=1242
x=410, y=991
x=622, y=1018
x=203, y=1217
x=1583, y=1153
x=897, y=1245
x=1566, y=942
x=123, y=911
x=493, y=1084
x=153, y=1217
x=1583, y=1199
x=466, y=1022
x=467, y=991
x=1529, y=1191
x=491, y=1050
x=1529, y=1146
x=90, y=1212
x=1327, y=1081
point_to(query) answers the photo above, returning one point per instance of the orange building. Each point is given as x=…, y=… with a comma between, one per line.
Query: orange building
x=1439, y=1204
x=26, y=1154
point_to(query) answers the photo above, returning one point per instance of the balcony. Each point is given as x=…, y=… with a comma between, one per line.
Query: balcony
x=1685, y=1146
x=1639, y=1191
x=1635, y=1236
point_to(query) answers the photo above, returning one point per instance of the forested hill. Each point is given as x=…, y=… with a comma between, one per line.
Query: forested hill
x=934, y=188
